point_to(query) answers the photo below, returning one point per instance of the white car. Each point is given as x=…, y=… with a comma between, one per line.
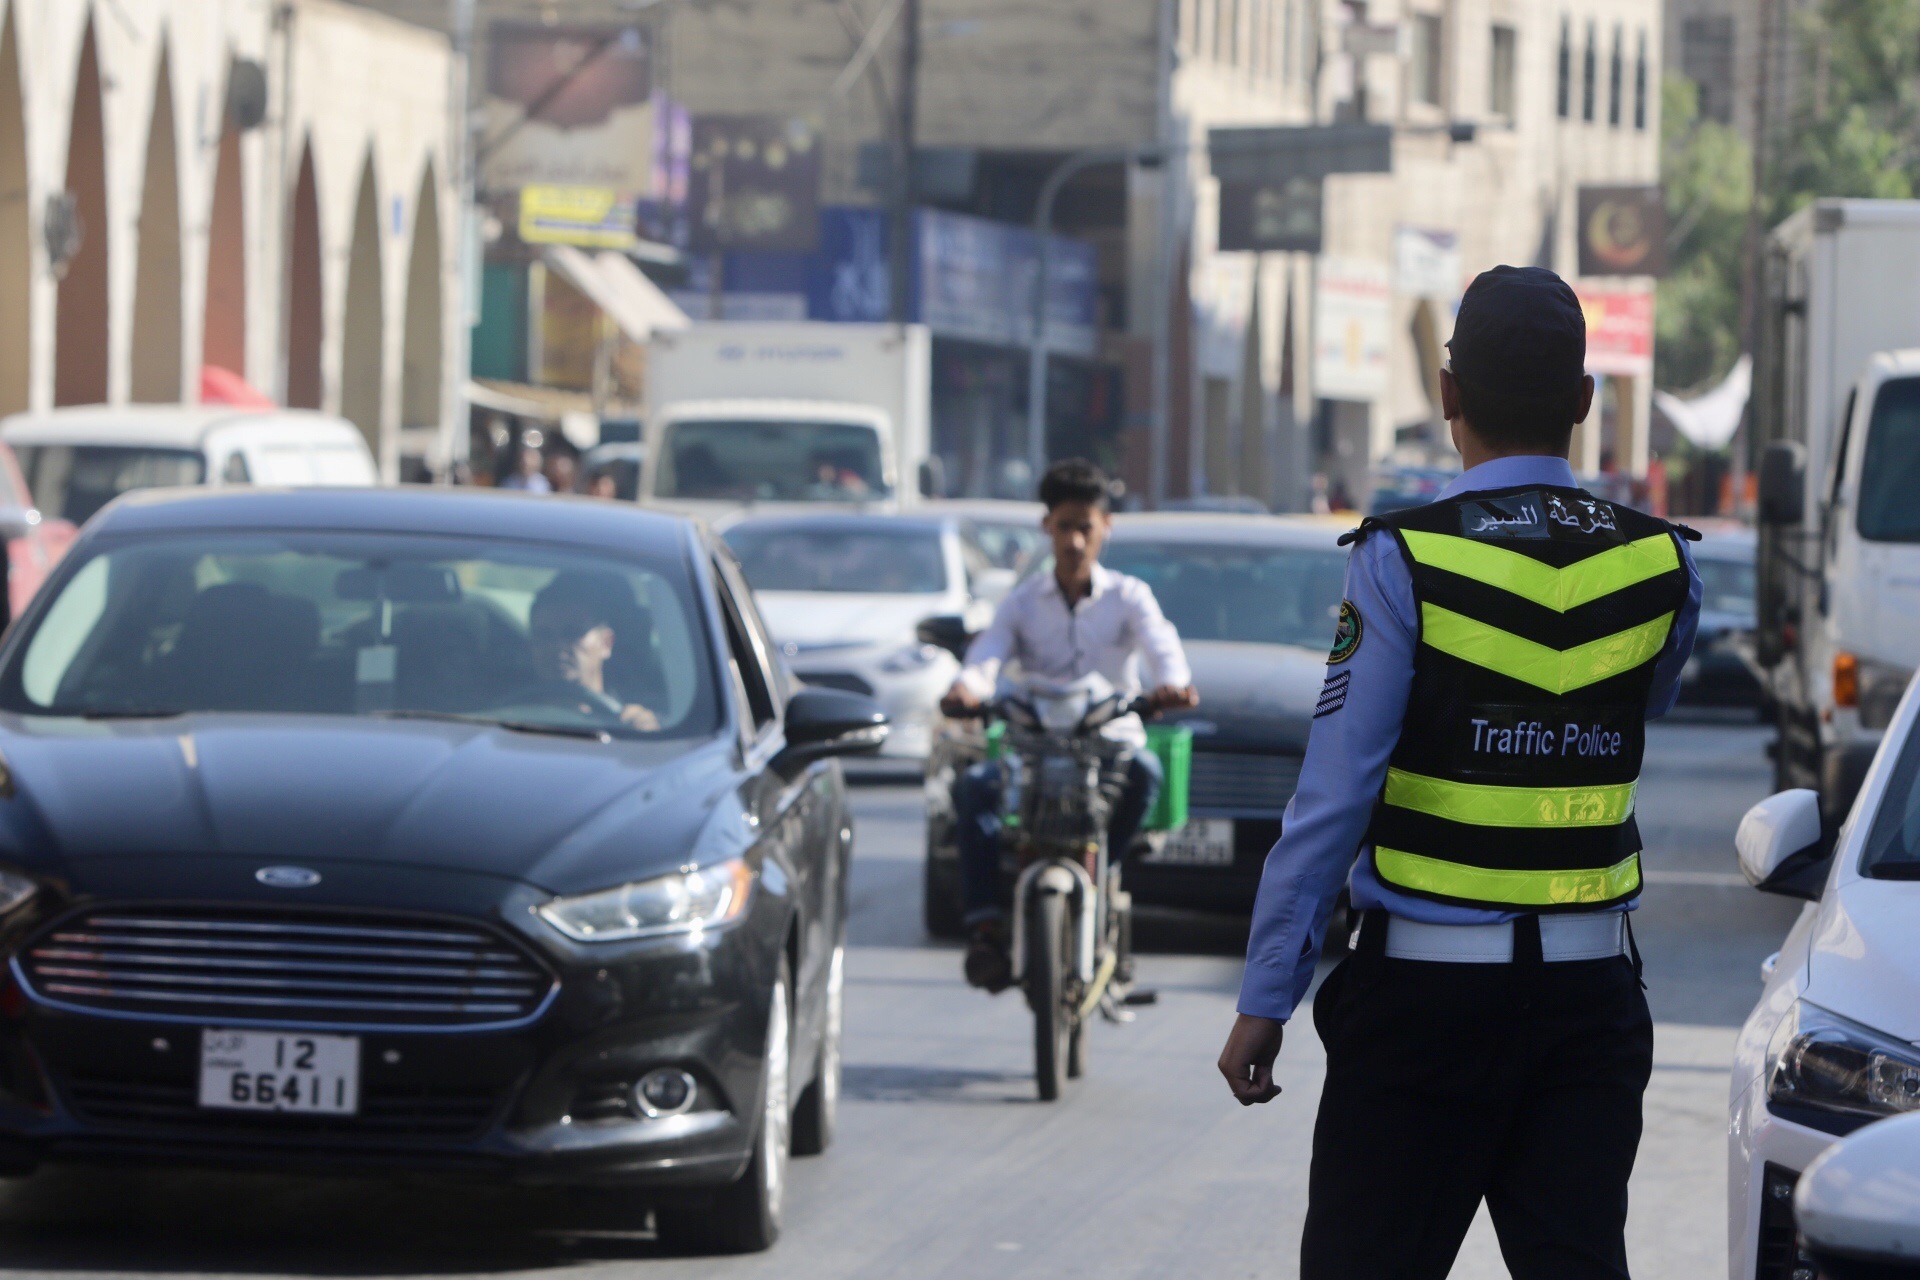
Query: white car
x=1834, y=1043
x=78, y=459
x=844, y=596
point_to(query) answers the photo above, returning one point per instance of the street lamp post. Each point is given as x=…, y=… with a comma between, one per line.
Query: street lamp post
x=1043, y=233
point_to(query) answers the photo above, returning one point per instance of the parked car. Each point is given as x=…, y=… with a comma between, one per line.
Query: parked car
x=79, y=459
x=845, y=594
x=1720, y=673
x=34, y=543
x=1008, y=533
x=1255, y=600
x=421, y=830
x=1834, y=1041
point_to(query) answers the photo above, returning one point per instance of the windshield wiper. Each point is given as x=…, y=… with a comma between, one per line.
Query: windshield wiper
x=517, y=726
x=131, y=713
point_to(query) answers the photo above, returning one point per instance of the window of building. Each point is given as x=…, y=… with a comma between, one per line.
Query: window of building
x=1640, y=83
x=1563, y=97
x=1426, y=58
x=1501, y=62
x=1286, y=42
x=1615, y=77
x=1706, y=58
x=1590, y=73
x=1226, y=31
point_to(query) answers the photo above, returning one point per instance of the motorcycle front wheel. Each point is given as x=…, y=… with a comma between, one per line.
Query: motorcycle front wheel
x=1049, y=961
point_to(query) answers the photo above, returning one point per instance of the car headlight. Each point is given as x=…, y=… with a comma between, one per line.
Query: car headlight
x=684, y=902
x=15, y=891
x=1821, y=1060
x=915, y=657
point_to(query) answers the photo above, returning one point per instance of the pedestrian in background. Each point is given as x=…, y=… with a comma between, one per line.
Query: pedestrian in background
x=1477, y=744
x=527, y=475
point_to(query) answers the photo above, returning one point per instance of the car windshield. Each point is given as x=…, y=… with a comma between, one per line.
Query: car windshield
x=71, y=482
x=1260, y=595
x=1726, y=586
x=370, y=624
x=759, y=461
x=1010, y=546
x=1893, y=844
x=881, y=559
x=1891, y=471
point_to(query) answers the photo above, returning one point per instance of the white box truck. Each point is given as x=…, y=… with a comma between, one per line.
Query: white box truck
x=742, y=414
x=1837, y=416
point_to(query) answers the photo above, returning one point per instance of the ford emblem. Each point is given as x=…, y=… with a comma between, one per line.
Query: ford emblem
x=287, y=877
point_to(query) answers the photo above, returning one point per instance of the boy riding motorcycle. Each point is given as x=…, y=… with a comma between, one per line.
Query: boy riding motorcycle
x=1080, y=618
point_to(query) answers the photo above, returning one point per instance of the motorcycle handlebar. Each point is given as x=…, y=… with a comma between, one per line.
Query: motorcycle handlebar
x=1141, y=706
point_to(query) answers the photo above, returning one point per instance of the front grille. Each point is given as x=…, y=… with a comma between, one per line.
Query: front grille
x=1779, y=1250
x=397, y=1113
x=320, y=968
x=838, y=680
x=1242, y=782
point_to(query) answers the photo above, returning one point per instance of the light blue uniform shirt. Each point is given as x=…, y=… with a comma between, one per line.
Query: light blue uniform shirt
x=1346, y=763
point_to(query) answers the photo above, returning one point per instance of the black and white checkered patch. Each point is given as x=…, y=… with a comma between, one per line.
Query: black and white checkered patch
x=1333, y=694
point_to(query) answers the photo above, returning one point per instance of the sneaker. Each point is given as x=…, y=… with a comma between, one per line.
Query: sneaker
x=988, y=965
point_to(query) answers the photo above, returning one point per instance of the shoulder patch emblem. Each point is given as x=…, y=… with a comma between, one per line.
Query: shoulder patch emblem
x=1346, y=635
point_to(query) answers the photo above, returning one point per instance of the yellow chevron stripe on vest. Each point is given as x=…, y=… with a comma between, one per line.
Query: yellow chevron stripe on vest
x=1558, y=671
x=1557, y=589
x=1499, y=806
x=1508, y=887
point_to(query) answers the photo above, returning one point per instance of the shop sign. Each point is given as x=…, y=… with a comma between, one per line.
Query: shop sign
x=754, y=183
x=1619, y=331
x=590, y=217
x=1426, y=263
x=568, y=106
x=1271, y=184
x=1623, y=231
x=975, y=281
x=1352, y=329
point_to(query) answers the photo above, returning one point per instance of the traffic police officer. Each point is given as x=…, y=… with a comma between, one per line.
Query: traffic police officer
x=1478, y=742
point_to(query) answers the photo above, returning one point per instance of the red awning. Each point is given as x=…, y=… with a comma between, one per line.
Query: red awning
x=224, y=386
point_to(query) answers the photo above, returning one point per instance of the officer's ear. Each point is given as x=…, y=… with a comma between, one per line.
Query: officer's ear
x=1586, y=399
x=1449, y=395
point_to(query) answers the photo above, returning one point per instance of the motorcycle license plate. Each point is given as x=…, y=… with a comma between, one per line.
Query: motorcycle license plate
x=1203, y=842
x=280, y=1071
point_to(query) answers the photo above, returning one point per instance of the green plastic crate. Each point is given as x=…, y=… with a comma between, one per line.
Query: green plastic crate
x=1173, y=743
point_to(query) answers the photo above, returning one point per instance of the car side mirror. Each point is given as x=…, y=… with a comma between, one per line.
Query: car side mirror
x=17, y=522
x=1783, y=846
x=933, y=477
x=1783, y=483
x=830, y=722
x=945, y=631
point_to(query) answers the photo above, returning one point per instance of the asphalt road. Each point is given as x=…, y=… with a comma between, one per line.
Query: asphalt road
x=946, y=1167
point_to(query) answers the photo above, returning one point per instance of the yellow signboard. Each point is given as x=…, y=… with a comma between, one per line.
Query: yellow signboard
x=591, y=217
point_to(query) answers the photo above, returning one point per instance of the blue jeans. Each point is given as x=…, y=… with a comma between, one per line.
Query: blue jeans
x=976, y=812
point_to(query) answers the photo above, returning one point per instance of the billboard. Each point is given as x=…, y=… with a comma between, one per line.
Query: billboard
x=1270, y=179
x=568, y=106
x=1623, y=231
x=591, y=217
x=1426, y=263
x=754, y=183
x=1619, y=331
x=1352, y=329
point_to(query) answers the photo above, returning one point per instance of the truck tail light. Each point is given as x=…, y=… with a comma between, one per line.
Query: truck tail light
x=1846, y=680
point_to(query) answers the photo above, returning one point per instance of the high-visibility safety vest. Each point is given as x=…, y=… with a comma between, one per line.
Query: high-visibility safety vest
x=1542, y=614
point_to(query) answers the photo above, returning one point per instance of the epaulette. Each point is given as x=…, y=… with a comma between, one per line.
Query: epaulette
x=1365, y=527
x=1690, y=534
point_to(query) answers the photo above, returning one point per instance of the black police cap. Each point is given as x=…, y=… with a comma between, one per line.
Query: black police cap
x=1519, y=332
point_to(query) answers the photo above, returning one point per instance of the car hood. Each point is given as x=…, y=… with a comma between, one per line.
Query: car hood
x=808, y=619
x=1254, y=692
x=562, y=814
x=1863, y=963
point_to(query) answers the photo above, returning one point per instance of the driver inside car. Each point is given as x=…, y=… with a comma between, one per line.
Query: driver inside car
x=1079, y=619
x=570, y=629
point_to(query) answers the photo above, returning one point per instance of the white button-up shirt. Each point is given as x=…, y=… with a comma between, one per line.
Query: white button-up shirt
x=1110, y=630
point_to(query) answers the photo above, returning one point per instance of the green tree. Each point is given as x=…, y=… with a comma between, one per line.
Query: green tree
x=1708, y=172
x=1856, y=129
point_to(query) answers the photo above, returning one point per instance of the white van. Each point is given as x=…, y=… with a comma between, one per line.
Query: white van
x=79, y=459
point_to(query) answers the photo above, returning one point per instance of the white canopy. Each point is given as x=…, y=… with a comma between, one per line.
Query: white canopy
x=618, y=288
x=1710, y=419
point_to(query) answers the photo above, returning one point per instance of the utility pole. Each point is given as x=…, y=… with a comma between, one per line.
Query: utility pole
x=1166, y=228
x=1751, y=246
x=901, y=194
x=454, y=443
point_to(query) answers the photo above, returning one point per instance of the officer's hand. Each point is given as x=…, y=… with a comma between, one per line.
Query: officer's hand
x=1247, y=1061
x=959, y=700
x=1169, y=698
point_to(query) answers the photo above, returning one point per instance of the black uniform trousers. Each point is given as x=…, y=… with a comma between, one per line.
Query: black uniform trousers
x=1518, y=1083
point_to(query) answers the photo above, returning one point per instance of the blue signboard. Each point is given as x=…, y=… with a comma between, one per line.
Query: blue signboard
x=973, y=280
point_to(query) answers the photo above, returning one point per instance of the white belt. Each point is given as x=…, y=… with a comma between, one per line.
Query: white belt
x=1586, y=935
